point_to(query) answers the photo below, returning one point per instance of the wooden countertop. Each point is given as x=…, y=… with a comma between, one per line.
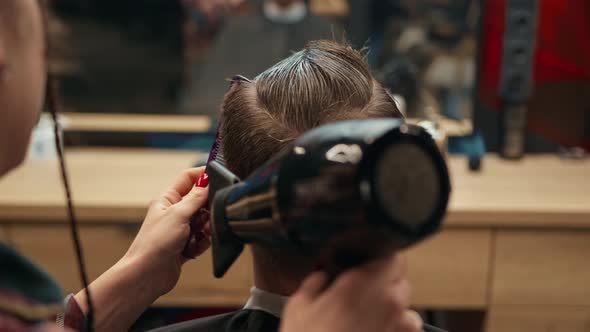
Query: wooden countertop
x=117, y=185
x=146, y=123
x=538, y=191
x=108, y=185
x=189, y=124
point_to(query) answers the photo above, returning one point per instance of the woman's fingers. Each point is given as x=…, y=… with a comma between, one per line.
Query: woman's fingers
x=196, y=246
x=378, y=275
x=313, y=285
x=191, y=203
x=389, y=269
x=202, y=243
x=207, y=226
x=410, y=321
x=399, y=297
x=185, y=181
x=181, y=186
x=372, y=297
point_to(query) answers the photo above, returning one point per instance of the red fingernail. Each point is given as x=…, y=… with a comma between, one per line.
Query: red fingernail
x=202, y=181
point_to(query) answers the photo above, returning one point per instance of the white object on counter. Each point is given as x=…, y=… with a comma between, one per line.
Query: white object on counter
x=42, y=145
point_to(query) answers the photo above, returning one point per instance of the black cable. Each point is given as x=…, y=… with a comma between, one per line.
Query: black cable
x=71, y=213
x=51, y=103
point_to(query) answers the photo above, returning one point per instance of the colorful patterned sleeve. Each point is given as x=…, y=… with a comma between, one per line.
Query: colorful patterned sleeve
x=29, y=297
x=72, y=317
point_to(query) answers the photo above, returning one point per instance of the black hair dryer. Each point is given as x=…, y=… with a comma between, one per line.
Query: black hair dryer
x=346, y=192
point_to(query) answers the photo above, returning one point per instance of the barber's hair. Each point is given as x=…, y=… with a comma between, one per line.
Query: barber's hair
x=325, y=82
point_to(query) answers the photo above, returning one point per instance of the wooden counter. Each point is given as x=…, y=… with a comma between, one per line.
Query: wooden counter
x=539, y=191
x=135, y=123
x=516, y=239
x=108, y=185
x=113, y=185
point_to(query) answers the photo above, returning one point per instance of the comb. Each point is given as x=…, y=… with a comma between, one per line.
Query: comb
x=216, y=180
x=198, y=219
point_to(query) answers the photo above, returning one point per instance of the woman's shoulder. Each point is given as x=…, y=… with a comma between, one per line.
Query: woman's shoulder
x=27, y=293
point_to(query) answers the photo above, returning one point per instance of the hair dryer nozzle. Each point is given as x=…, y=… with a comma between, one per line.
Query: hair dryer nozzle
x=226, y=245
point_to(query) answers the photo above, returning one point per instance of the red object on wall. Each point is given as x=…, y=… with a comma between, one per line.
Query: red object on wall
x=559, y=108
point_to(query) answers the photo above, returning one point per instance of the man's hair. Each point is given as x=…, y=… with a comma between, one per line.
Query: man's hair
x=324, y=82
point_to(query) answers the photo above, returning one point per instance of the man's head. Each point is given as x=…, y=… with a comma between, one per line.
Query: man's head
x=324, y=82
x=22, y=77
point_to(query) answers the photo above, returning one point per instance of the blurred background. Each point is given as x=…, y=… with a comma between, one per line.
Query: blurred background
x=504, y=86
x=175, y=57
x=443, y=59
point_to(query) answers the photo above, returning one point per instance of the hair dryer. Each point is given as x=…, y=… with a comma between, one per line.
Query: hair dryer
x=346, y=192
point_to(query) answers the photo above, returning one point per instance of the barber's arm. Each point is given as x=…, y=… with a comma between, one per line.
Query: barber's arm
x=373, y=297
x=151, y=267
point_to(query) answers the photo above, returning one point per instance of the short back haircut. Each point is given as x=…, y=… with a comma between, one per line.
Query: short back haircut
x=325, y=82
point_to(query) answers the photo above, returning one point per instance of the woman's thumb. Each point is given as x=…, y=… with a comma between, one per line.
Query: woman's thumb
x=193, y=201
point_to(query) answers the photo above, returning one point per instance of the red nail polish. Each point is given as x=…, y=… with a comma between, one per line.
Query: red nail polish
x=202, y=181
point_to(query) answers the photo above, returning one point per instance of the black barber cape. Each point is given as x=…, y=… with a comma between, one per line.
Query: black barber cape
x=260, y=314
x=239, y=321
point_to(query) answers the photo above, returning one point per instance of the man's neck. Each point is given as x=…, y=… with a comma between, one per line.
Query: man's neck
x=274, y=282
x=280, y=277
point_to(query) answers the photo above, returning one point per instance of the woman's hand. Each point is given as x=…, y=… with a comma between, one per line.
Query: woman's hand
x=151, y=267
x=373, y=297
x=159, y=245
